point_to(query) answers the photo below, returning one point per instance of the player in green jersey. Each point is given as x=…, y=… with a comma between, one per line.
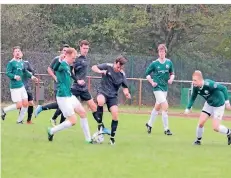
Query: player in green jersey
x=16, y=71
x=162, y=75
x=216, y=97
x=68, y=103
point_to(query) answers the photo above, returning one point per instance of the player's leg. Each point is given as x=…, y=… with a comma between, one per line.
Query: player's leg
x=217, y=114
x=101, y=101
x=153, y=116
x=205, y=114
x=30, y=107
x=24, y=107
x=65, y=104
x=164, y=107
x=114, y=123
x=16, y=98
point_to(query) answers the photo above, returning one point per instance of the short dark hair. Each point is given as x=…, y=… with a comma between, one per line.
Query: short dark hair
x=121, y=60
x=84, y=42
x=64, y=46
x=16, y=47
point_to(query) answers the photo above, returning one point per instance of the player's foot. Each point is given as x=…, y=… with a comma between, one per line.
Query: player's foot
x=168, y=132
x=38, y=110
x=197, y=142
x=21, y=122
x=106, y=131
x=29, y=122
x=89, y=142
x=50, y=136
x=149, y=128
x=53, y=122
x=229, y=138
x=112, y=141
x=3, y=114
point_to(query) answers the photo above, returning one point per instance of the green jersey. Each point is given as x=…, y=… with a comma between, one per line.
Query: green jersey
x=160, y=73
x=215, y=94
x=16, y=67
x=63, y=75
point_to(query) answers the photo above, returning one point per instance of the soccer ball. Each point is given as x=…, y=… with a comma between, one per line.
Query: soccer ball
x=98, y=138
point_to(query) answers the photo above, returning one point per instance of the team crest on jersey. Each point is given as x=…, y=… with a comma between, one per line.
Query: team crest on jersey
x=158, y=67
x=206, y=92
x=215, y=85
x=167, y=66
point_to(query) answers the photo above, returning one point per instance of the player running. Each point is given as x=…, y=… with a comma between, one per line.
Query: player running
x=216, y=97
x=68, y=103
x=163, y=75
x=112, y=78
x=79, y=87
x=15, y=71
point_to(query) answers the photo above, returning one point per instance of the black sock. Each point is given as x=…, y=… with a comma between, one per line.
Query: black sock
x=99, y=116
x=114, y=125
x=199, y=139
x=56, y=114
x=30, y=112
x=50, y=106
x=62, y=118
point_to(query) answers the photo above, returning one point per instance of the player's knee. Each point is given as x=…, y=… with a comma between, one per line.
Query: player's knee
x=31, y=103
x=19, y=105
x=82, y=114
x=201, y=125
x=73, y=120
x=165, y=112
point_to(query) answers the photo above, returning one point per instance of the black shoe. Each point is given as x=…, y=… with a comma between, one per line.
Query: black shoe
x=168, y=132
x=149, y=128
x=50, y=136
x=197, y=142
x=229, y=138
x=3, y=114
x=19, y=122
x=112, y=141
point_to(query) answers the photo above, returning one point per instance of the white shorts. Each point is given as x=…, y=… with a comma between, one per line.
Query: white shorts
x=68, y=104
x=18, y=94
x=215, y=112
x=161, y=96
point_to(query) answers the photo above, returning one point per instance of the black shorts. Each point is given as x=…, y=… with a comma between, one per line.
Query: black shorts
x=84, y=95
x=110, y=101
x=30, y=96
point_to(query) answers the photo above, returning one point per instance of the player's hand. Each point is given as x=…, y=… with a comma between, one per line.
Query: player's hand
x=81, y=82
x=128, y=95
x=16, y=77
x=104, y=72
x=154, y=84
x=55, y=78
x=34, y=78
x=62, y=56
x=227, y=106
x=170, y=81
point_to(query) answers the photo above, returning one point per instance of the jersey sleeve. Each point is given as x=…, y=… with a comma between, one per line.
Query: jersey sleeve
x=30, y=69
x=104, y=66
x=53, y=62
x=171, y=69
x=77, y=66
x=61, y=67
x=192, y=99
x=125, y=82
x=150, y=69
x=9, y=71
x=213, y=85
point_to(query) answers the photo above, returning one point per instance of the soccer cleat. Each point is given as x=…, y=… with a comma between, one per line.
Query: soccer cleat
x=21, y=122
x=3, y=114
x=149, y=128
x=53, y=122
x=112, y=141
x=168, y=132
x=50, y=136
x=89, y=142
x=229, y=138
x=38, y=110
x=106, y=131
x=29, y=122
x=197, y=142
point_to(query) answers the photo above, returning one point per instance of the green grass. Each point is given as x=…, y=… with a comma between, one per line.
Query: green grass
x=26, y=153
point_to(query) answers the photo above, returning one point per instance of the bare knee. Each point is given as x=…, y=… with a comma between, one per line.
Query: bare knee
x=72, y=119
x=19, y=105
x=92, y=105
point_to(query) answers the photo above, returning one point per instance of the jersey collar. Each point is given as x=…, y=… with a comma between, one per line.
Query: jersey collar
x=203, y=83
x=161, y=61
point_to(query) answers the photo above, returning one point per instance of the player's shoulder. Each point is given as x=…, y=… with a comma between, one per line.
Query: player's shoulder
x=123, y=72
x=169, y=60
x=109, y=64
x=12, y=60
x=207, y=82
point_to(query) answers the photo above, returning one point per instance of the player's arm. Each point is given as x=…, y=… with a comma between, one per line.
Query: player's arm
x=171, y=73
x=50, y=69
x=150, y=69
x=101, y=68
x=9, y=72
x=30, y=69
x=125, y=88
x=224, y=90
x=191, y=101
x=80, y=77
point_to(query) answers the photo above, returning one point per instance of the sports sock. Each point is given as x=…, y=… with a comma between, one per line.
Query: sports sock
x=22, y=114
x=50, y=106
x=66, y=124
x=85, y=127
x=153, y=115
x=30, y=112
x=222, y=129
x=100, y=117
x=165, y=120
x=10, y=108
x=62, y=118
x=114, y=124
x=199, y=132
x=56, y=114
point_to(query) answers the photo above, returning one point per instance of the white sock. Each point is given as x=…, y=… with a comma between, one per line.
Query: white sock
x=165, y=120
x=222, y=129
x=66, y=124
x=154, y=113
x=22, y=114
x=199, y=132
x=10, y=108
x=85, y=127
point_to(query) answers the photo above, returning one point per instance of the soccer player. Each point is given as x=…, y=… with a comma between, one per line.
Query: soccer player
x=216, y=97
x=15, y=71
x=52, y=73
x=112, y=78
x=68, y=103
x=79, y=87
x=26, y=83
x=163, y=75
